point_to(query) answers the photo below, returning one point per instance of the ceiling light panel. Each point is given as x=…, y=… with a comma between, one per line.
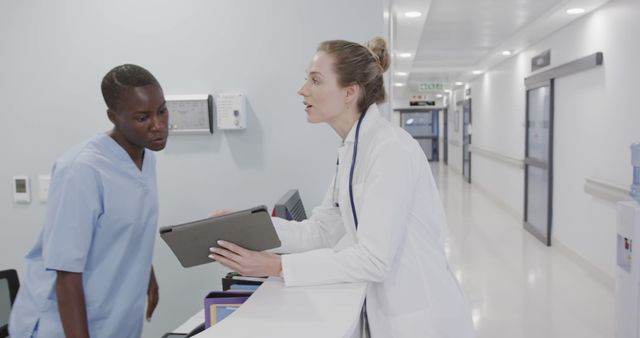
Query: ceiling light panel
x=575, y=11
x=413, y=14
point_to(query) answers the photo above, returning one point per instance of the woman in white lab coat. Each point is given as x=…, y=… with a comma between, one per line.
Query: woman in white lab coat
x=381, y=221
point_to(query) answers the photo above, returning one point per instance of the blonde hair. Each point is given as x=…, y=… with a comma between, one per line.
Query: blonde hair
x=360, y=64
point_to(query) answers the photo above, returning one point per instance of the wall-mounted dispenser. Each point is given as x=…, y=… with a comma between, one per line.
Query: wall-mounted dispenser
x=627, y=289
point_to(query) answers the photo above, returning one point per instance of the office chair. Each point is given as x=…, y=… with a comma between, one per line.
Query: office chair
x=8, y=290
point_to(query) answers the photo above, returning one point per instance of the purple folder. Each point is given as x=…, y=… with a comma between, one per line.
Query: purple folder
x=219, y=304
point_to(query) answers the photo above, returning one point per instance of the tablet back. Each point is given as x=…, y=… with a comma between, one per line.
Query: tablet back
x=251, y=229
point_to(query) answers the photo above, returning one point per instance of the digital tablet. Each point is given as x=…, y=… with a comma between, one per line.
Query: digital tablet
x=251, y=229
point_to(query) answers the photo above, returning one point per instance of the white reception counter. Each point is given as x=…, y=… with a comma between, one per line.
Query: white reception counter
x=275, y=311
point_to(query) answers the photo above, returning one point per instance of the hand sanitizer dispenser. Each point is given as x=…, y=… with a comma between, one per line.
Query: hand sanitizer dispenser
x=628, y=258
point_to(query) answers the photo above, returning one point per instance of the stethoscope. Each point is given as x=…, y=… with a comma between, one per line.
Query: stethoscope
x=353, y=205
x=353, y=165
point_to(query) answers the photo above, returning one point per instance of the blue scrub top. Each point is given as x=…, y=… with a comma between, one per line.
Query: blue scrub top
x=101, y=221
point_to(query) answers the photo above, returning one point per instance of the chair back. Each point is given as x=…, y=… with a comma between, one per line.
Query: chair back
x=8, y=290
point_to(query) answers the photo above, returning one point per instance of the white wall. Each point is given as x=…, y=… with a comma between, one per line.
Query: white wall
x=595, y=122
x=497, y=107
x=53, y=55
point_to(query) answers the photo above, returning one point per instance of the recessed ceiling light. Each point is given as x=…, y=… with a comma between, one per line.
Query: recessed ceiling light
x=575, y=10
x=413, y=14
x=439, y=95
x=507, y=52
x=401, y=73
x=404, y=55
x=459, y=83
x=399, y=84
x=477, y=72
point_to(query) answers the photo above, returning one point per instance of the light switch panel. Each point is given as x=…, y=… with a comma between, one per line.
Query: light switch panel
x=43, y=187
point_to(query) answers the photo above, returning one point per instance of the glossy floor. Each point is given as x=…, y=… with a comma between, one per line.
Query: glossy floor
x=515, y=285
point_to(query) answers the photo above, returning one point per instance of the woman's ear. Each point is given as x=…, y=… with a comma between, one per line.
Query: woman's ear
x=353, y=93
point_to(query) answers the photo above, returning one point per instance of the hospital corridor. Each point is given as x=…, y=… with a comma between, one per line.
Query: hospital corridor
x=515, y=285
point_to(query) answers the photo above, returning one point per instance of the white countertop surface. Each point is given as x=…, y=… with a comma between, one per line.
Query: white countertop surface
x=275, y=311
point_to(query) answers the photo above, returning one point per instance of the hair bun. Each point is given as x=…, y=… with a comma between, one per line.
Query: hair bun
x=378, y=47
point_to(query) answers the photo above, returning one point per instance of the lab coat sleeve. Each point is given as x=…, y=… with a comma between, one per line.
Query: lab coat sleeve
x=386, y=200
x=72, y=213
x=323, y=229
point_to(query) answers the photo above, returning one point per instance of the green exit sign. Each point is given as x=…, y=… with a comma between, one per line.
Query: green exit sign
x=431, y=87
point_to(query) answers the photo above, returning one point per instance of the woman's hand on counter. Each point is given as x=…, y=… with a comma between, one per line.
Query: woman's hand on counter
x=247, y=262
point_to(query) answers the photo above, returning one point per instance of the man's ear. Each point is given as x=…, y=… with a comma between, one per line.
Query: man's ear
x=112, y=116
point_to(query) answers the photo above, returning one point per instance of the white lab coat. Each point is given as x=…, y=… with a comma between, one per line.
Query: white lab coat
x=398, y=247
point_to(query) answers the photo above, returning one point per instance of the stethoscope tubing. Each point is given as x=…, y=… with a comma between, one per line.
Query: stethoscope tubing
x=351, y=171
x=353, y=166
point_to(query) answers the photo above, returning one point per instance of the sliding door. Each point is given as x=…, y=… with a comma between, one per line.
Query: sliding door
x=538, y=180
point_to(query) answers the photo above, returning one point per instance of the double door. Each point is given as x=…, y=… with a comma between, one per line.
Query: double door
x=423, y=126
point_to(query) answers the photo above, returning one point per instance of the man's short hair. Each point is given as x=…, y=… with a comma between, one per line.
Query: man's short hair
x=120, y=79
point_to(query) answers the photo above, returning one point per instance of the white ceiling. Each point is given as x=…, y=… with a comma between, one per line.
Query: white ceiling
x=454, y=37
